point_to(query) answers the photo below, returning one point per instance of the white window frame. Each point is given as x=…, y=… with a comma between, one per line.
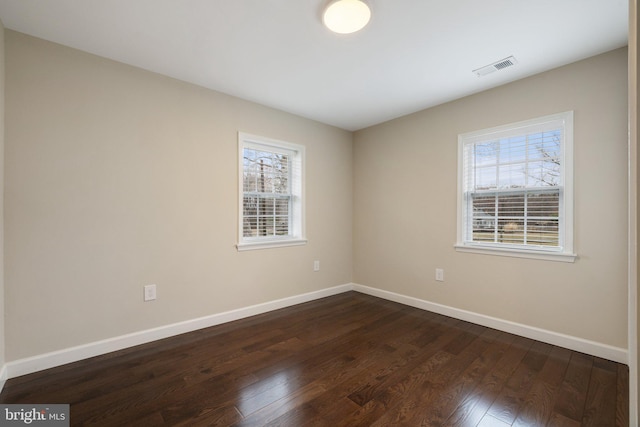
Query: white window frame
x=296, y=221
x=564, y=252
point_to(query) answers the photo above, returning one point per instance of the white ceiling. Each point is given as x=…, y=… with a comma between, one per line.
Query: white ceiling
x=413, y=54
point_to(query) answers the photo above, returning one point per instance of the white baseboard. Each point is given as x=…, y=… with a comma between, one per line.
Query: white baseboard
x=29, y=365
x=593, y=348
x=49, y=360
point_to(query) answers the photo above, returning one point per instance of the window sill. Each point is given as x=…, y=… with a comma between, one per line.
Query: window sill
x=269, y=244
x=517, y=253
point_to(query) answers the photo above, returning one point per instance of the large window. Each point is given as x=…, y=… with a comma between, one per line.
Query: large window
x=515, y=189
x=271, y=205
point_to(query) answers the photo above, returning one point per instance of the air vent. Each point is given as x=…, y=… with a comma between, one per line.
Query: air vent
x=498, y=65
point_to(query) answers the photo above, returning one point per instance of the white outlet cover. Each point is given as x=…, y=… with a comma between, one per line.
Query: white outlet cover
x=149, y=292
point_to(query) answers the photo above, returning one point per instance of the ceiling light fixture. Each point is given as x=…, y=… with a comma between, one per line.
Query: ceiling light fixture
x=346, y=16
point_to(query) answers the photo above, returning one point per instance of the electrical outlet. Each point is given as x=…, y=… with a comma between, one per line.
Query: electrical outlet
x=316, y=265
x=149, y=292
x=439, y=275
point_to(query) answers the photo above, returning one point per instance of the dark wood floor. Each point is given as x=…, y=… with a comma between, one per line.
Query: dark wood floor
x=346, y=360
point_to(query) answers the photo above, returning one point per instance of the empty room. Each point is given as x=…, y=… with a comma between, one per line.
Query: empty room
x=290, y=213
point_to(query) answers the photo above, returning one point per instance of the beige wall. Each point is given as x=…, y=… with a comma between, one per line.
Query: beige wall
x=2, y=91
x=117, y=178
x=405, y=206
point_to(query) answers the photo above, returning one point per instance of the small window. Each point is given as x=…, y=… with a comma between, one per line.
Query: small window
x=515, y=189
x=271, y=184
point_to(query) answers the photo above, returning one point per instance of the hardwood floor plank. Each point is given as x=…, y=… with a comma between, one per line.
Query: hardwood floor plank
x=472, y=408
x=354, y=376
x=508, y=404
x=345, y=360
x=458, y=391
x=219, y=417
x=364, y=416
x=600, y=405
x=433, y=409
x=288, y=402
x=200, y=408
x=573, y=391
x=489, y=421
x=558, y=420
x=308, y=415
x=539, y=402
x=402, y=400
x=391, y=374
x=622, y=392
x=538, y=406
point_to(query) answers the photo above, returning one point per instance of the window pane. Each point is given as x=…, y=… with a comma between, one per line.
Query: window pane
x=484, y=210
x=486, y=153
x=543, y=233
x=543, y=204
x=266, y=172
x=281, y=206
x=265, y=213
x=526, y=218
x=513, y=150
x=484, y=235
x=511, y=231
x=511, y=206
x=544, y=145
x=512, y=176
x=486, y=178
x=544, y=173
x=250, y=215
x=265, y=216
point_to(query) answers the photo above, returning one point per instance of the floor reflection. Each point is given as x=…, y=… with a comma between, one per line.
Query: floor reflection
x=267, y=391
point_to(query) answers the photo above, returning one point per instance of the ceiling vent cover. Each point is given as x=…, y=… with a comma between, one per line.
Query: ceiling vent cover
x=498, y=65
